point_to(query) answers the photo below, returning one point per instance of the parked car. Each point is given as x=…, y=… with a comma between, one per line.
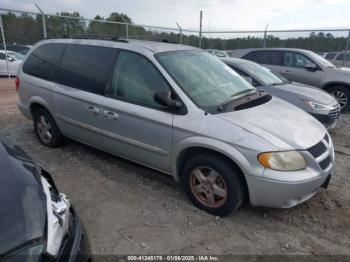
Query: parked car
x=37, y=222
x=218, y=53
x=181, y=111
x=330, y=55
x=312, y=100
x=14, y=59
x=339, y=60
x=16, y=48
x=305, y=67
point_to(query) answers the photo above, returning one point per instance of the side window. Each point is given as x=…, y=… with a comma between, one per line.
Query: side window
x=2, y=56
x=86, y=67
x=340, y=57
x=292, y=59
x=245, y=75
x=265, y=57
x=136, y=79
x=43, y=62
x=330, y=56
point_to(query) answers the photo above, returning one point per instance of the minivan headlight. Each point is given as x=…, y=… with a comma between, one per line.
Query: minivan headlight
x=317, y=106
x=282, y=161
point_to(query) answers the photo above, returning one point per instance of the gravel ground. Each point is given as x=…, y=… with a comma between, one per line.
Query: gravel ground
x=130, y=209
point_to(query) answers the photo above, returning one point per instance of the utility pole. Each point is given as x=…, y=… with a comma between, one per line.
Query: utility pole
x=43, y=20
x=180, y=32
x=200, y=29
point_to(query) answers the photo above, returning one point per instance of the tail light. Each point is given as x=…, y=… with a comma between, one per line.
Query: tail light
x=17, y=83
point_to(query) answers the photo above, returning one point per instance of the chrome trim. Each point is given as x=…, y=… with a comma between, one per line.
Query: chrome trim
x=111, y=135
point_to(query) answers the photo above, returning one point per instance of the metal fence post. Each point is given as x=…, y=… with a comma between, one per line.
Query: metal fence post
x=200, y=29
x=180, y=32
x=126, y=28
x=4, y=44
x=265, y=34
x=346, y=49
x=43, y=20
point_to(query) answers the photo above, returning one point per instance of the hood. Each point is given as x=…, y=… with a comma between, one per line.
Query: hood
x=308, y=92
x=341, y=70
x=279, y=123
x=23, y=202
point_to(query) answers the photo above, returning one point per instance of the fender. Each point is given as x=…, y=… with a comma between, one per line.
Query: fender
x=39, y=100
x=335, y=83
x=212, y=144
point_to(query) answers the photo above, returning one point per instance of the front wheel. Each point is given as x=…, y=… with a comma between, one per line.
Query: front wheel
x=213, y=184
x=342, y=95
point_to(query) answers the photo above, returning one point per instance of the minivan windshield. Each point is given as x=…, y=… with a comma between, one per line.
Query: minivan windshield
x=206, y=80
x=262, y=74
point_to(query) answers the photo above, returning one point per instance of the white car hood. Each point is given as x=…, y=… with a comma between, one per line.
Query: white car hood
x=279, y=123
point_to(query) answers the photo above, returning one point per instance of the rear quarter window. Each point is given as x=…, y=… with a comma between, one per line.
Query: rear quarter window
x=87, y=67
x=43, y=62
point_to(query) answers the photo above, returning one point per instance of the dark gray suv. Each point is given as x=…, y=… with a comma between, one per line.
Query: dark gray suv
x=305, y=67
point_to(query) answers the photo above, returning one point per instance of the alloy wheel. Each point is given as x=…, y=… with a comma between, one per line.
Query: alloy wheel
x=208, y=187
x=341, y=97
x=44, y=129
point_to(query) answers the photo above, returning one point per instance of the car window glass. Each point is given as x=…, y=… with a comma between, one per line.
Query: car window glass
x=43, y=61
x=265, y=57
x=2, y=56
x=340, y=57
x=136, y=79
x=296, y=60
x=86, y=67
x=330, y=55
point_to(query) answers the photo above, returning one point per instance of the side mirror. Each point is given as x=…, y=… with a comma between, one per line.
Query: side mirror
x=249, y=79
x=163, y=97
x=310, y=67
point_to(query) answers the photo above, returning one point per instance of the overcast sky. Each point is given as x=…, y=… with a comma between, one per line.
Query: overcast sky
x=223, y=14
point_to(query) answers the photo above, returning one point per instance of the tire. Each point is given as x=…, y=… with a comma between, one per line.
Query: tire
x=342, y=94
x=227, y=177
x=48, y=135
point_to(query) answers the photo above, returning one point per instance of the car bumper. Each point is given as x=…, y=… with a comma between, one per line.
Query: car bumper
x=280, y=194
x=24, y=109
x=76, y=248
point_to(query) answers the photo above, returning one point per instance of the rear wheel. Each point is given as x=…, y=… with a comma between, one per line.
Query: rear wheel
x=342, y=95
x=213, y=184
x=46, y=129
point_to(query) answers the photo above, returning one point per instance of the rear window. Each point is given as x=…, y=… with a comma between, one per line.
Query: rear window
x=265, y=57
x=43, y=62
x=87, y=67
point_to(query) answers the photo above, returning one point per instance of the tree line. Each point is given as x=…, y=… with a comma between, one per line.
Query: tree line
x=27, y=29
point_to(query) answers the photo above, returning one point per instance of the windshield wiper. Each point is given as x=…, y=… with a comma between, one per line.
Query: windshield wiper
x=243, y=92
x=221, y=107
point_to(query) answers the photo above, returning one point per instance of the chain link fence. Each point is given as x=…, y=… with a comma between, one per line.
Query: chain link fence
x=21, y=30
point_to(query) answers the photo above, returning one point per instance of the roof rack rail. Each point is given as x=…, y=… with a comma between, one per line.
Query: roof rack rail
x=152, y=38
x=96, y=37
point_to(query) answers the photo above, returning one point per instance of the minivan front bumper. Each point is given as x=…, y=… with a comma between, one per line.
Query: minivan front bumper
x=281, y=194
x=284, y=189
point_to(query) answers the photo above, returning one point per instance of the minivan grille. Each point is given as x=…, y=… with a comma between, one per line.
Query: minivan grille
x=322, y=152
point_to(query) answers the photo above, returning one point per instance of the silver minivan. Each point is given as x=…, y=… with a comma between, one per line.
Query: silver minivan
x=179, y=110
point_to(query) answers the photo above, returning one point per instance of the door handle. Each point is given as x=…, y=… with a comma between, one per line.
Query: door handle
x=93, y=110
x=287, y=71
x=110, y=115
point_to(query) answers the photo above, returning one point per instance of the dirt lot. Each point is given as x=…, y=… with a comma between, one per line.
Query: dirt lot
x=129, y=209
